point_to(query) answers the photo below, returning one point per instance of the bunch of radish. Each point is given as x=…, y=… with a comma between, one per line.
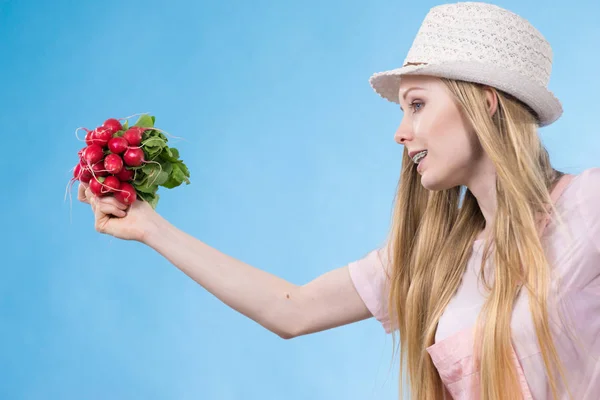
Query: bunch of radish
x=129, y=162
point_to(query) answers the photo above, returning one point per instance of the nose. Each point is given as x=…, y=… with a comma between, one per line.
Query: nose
x=404, y=132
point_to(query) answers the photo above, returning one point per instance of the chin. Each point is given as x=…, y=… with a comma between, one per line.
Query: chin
x=435, y=183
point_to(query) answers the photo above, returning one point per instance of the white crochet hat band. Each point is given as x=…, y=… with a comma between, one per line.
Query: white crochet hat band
x=481, y=43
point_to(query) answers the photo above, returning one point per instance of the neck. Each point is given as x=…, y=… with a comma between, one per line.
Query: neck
x=483, y=186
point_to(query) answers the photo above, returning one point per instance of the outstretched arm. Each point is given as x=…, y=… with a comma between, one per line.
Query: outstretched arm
x=284, y=308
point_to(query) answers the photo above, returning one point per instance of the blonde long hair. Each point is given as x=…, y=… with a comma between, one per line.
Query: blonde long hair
x=431, y=238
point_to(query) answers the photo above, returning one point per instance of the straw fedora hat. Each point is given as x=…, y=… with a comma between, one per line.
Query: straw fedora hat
x=481, y=43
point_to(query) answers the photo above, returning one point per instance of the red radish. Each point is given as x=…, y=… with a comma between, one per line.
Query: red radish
x=93, y=153
x=112, y=125
x=89, y=137
x=125, y=175
x=134, y=157
x=82, y=173
x=86, y=176
x=113, y=163
x=133, y=135
x=96, y=186
x=101, y=136
x=126, y=193
x=77, y=171
x=116, y=161
x=98, y=169
x=117, y=145
x=111, y=184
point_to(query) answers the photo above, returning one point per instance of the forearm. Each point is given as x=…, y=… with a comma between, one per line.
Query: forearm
x=259, y=295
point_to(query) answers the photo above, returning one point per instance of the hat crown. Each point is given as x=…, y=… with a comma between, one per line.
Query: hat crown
x=482, y=33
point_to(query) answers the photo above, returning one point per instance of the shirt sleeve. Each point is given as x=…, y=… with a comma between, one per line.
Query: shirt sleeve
x=370, y=278
x=589, y=199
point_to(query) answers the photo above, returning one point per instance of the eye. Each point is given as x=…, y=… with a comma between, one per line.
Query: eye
x=416, y=105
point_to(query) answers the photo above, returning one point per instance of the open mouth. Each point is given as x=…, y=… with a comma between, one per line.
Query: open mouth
x=419, y=156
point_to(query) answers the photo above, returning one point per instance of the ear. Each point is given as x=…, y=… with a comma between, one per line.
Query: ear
x=491, y=100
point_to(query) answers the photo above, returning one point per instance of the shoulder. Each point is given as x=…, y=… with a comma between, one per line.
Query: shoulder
x=582, y=188
x=583, y=192
x=588, y=185
x=573, y=235
x=584, y=195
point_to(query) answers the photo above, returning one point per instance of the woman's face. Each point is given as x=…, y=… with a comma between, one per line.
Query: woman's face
x=433, y=122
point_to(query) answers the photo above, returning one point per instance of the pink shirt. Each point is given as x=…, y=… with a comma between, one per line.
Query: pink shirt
x=575, y=262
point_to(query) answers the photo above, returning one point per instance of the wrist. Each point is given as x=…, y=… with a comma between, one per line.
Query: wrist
x=153, y=230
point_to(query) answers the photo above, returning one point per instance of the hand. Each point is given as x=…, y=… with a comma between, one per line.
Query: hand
x=114, y=218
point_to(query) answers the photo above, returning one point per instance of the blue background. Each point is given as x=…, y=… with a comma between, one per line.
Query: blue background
x=293, y=168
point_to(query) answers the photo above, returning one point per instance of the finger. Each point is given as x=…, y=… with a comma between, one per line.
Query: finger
x=89, y=195
x=108, y=209
x=81, y=190
x=112, y=201
x=93, y=200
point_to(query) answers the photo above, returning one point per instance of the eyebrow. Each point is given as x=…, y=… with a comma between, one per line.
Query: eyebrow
x=409, y=90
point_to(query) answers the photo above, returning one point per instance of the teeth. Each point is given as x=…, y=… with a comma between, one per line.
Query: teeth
x=419, y=156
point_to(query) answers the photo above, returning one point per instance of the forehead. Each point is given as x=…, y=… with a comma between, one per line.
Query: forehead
x=417, y=81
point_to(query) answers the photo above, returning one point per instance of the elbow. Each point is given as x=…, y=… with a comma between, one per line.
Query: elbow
x=287, y=319
x=288, y=332
x=285, y=335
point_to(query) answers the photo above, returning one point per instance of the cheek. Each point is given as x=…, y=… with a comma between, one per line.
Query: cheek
x=420, y=128
x=449, y=140
x=454, y=154
x=457, y=147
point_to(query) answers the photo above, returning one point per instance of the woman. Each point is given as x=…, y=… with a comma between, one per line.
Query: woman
x=491, y=270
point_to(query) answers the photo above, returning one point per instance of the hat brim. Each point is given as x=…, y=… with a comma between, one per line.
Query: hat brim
x=547, y=107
